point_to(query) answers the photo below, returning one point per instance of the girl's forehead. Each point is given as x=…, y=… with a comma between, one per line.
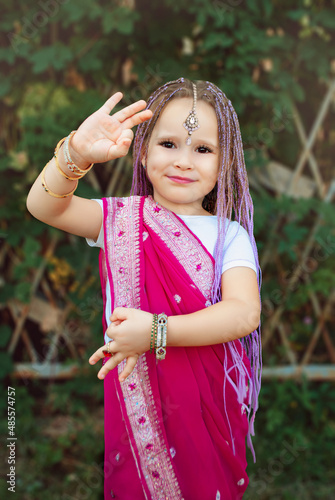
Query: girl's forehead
x=180, y=105
x=176, y=111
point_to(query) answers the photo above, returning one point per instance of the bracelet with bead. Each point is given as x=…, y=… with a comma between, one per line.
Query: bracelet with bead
x=68, y=160
x=60, y=170
x=153, y=332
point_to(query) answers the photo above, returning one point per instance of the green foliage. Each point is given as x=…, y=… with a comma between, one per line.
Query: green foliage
x=60, y=430
x=292, y=287
x=89, y=391
x=58, y=65
x=288, y=461
x=6, y=364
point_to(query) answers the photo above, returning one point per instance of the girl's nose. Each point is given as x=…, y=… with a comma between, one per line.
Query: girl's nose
x=183, y=160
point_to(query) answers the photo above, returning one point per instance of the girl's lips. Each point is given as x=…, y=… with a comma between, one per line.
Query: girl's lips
x=181, y=180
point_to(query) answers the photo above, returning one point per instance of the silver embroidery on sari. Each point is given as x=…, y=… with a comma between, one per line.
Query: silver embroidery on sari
x=124, y=246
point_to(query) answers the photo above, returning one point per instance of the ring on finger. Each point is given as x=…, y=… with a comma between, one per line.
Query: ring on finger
x=109, y=346
x=107, y=352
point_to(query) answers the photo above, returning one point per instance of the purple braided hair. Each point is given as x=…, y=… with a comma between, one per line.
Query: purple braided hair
x=230, y=198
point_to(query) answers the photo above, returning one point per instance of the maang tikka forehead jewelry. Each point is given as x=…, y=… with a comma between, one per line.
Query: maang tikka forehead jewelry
x=192, y=123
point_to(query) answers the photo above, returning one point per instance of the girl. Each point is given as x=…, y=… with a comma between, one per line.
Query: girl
x=181, y=286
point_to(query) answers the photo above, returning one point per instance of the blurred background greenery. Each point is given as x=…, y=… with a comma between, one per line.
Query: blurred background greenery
x=60, y=60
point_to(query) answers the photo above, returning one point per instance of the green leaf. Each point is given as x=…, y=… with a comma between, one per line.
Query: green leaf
x=6, y=364
x=56, y=56
x=13, y=238
x=16, y=44
x=297, y=14
x=120, y=19
x=7, y=55
x=219, y=40
x=5, y=87
x=31, y=246
x=23, y=291
x=268, y=9
x=5, y=334
x=325, y=17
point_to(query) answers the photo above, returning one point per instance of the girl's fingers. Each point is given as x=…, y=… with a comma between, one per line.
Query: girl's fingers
x=122, y=145
x=99, y=354
x=119, y=150
x=130, y=365
x=124, y=142
x=111, y=102
x=110, y=365
x=129, y=111
x=119, y=314
x=112, y=362
x=95, y=357
x=134, y=120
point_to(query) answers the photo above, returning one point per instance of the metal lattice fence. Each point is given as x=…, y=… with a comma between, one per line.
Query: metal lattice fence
x=55, y=326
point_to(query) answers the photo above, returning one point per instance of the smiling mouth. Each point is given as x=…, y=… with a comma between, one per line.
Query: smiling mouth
x=180, y=180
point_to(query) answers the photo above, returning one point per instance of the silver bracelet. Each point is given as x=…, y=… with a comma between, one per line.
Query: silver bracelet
x=68, y=160
x=161, y=336
x=67, y=157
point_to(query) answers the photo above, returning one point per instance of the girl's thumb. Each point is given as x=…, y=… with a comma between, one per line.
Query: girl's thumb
x=125, y=134
x=124, y=141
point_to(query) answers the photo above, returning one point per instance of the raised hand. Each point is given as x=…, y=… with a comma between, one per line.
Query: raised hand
x=103, y=137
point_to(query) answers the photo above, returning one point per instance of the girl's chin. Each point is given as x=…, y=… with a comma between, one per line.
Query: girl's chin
x=179, y=202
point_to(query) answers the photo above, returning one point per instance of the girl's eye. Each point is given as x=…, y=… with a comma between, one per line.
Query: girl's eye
x=167, y=144
x=204, y=149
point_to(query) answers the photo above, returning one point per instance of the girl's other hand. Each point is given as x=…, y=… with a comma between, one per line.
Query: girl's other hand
x=103, y=137
x=130, y=330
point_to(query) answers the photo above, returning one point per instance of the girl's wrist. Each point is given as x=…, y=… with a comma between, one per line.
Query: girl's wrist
x=75, y=156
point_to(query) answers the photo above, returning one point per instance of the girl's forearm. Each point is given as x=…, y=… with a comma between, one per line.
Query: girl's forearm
x=43, y=206
x=222, y=322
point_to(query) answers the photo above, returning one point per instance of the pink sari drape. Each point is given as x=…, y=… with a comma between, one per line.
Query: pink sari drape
x=174, y=429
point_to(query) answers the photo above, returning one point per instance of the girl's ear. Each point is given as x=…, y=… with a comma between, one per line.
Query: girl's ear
x=143, y=162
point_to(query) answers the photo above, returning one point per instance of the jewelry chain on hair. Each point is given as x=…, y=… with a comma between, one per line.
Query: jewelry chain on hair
x=192, y=123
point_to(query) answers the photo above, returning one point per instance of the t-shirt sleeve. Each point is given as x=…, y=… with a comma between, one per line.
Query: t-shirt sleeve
x=237, y=248
x=99, y=243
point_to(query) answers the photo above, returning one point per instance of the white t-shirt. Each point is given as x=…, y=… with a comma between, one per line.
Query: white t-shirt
x=237, y=246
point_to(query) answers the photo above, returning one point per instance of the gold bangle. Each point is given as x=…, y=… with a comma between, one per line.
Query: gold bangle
x=47, y=190
x=70, y=164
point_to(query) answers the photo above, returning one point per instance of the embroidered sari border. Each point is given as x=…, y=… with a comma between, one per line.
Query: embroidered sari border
x=140, y=410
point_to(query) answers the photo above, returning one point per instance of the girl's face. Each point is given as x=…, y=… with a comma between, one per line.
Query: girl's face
x=182, y=175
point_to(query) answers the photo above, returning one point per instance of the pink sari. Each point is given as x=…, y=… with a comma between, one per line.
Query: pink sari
x=174, y=429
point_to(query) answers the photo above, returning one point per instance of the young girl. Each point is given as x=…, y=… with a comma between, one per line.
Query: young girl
x=181, y=286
